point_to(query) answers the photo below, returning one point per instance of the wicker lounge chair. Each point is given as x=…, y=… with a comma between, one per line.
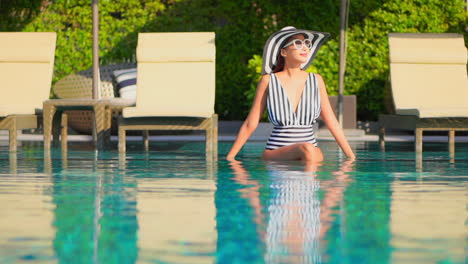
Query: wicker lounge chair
x=26, y=66
x=429, y=85
x=175, y=86
x=79, y=85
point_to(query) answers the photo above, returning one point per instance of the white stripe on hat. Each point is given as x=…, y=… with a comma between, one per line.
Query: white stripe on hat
x=272, y=49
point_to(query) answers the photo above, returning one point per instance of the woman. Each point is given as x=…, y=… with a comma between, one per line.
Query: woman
x=295, y=99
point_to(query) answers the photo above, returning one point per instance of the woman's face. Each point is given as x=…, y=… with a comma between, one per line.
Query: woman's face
x=292, y=54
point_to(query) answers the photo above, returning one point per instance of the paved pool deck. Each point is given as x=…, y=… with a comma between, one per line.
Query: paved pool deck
x=228, y=132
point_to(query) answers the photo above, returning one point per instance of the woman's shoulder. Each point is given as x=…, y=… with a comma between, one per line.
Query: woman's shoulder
x=263, y=83
x=316, y=75
x=265, y=78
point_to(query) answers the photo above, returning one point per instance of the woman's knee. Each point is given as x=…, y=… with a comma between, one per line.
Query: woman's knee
x=310, y=152
x=307, y=150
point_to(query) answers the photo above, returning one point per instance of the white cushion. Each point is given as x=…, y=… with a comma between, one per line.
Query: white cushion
x=428, y=74
x=27, y=47
x=176, y=111
x=17, y=110
x=427, y=48
x=126, y=82
x=128, y=93
x=176, y=47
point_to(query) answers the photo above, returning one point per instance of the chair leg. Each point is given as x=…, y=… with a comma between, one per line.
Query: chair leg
x=100, y=122
x=107, y=126
x=64, y=131
x=122, y=140
x=419, y=140
x=215, y=136
x=382, y=138
x=56, y=124
x=146, y=139
x=452, y=142
x=48, y=115
x=12, y=136
x=419, y=161
x=209, y=140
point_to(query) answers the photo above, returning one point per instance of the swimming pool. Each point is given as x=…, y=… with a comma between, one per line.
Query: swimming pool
x=171, y=206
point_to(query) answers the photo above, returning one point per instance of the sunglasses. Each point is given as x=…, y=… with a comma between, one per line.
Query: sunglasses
x=299, y=43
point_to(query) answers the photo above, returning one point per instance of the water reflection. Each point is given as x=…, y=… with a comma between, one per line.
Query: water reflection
x=89, y=207
x=428, y=220
x=136, y=209
x=291, y=210
x=95, y=212
x=176, y=210
x=176, y=220
x=26, y=213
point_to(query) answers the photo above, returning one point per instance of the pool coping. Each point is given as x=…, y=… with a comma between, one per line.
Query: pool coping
x=228, y=132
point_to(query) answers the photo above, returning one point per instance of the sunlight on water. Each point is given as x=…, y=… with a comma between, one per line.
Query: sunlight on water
x=171, y=206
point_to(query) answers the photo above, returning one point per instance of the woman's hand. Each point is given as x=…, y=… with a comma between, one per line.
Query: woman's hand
x=230, y=158
x=251, y=122
x=352, y=157
x=328, y=116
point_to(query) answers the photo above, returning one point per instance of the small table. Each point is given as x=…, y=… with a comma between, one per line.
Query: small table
x=55, y=120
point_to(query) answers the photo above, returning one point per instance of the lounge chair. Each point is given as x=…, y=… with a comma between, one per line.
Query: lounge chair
x=26, y=67
x=175, y=87
x=429, y=85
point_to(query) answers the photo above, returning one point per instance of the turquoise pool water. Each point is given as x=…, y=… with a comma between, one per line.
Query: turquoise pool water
x=171, y=206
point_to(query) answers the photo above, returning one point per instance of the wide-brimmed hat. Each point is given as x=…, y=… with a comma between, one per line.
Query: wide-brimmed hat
x=278, y=39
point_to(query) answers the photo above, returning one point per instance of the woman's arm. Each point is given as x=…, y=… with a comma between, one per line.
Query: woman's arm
x=251, y=122
x=330, y=120
x=250, y=191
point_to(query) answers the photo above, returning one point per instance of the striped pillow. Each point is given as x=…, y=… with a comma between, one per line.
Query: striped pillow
x=126, y=82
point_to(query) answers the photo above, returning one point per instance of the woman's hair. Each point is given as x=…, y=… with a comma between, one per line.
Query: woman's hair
x=280, y=64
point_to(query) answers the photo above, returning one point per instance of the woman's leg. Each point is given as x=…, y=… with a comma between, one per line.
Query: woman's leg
x=299, y=151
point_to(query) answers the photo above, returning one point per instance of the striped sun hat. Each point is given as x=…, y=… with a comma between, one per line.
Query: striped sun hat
x=275, y=42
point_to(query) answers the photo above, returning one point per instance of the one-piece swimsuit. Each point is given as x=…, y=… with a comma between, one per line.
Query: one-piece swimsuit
x=291, y=126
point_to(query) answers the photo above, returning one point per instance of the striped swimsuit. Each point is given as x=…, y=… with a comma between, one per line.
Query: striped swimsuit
x=293, y=216
x=292, y=127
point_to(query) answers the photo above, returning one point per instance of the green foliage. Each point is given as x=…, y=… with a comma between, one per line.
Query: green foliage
x=367, y=61
x=241, y=27
x=72, y=20
x=15, y=14
x=367, y=55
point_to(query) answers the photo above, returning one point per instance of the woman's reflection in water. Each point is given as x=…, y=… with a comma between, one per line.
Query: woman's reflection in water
x=295, y=219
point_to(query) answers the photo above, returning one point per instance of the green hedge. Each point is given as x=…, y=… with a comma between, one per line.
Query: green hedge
x=241, y=27
x=367, y=57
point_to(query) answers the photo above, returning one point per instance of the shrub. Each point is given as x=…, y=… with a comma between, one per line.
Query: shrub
x=72, y=20
x=241, y=27
x=367, y=55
